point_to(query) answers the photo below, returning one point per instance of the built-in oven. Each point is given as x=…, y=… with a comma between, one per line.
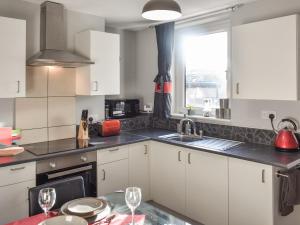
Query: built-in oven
x=83, y=164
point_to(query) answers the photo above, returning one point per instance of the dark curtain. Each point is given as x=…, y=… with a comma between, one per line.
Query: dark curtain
x=163, y=85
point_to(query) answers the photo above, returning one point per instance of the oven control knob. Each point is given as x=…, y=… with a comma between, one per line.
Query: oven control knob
x=83, y=158
x=52, y=165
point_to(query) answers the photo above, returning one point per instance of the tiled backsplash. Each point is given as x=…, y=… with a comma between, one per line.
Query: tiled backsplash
x=48, y=111
x=140, y=122
x=244, y=134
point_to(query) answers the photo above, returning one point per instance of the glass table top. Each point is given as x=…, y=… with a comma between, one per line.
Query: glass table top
x=153, y=215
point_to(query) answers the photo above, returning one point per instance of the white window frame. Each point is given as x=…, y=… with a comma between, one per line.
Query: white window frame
x=213, y=25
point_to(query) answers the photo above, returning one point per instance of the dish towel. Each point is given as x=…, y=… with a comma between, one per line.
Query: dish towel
x=289, y=191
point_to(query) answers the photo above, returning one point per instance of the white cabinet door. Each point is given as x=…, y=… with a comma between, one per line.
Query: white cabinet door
x=139, y=174
x=112, y=177
x=102, y=78
x=14, y=201
x=250, y=193
x=12, y=57
x=207, y=188
x=167, y=169
x=265, y=59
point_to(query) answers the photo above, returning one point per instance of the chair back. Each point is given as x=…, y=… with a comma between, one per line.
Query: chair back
x=66, y=190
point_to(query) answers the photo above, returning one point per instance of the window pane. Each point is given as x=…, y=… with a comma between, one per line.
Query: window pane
x=205, y=59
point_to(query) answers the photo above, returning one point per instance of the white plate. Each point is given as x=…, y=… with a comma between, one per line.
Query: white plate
x=64, y=220
x=85, y=205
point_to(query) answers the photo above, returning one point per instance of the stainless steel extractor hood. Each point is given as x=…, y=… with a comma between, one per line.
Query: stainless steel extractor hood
x=53, y=40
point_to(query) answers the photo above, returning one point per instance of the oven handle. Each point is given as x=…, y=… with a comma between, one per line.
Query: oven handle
x=68, y=172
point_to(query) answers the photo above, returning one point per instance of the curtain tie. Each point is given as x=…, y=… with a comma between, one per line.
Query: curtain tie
x=167, y=88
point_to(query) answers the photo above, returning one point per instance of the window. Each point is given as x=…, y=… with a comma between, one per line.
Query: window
x=201, y=68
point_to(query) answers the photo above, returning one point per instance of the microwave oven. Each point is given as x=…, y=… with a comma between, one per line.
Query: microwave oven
x=125, y=108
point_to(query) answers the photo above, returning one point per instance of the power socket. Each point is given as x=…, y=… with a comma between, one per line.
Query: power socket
x=265, y=114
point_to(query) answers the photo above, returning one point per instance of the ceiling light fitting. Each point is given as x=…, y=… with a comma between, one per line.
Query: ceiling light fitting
x=161, y=10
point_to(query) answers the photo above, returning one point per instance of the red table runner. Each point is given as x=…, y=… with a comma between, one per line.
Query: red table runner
x=118, y=220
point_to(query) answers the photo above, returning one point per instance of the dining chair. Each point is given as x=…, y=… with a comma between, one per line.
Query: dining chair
x=66, y=190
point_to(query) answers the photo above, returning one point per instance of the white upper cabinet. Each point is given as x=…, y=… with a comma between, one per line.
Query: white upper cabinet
x=265, y=59
x=12, y=57
x=103, y=77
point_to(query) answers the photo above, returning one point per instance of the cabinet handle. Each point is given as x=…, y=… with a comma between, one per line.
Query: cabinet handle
x=238, y=88
x=179, y=156
x=113, y=150
x=18, y=86
x=263, y=176
x=189, y=158
x=146, y=150
x=96, y=85
x=104, y=175
x=18, y=168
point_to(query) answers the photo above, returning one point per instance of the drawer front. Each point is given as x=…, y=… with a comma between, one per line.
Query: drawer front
x=14, y=201
x=17, y=173
x=112, y=154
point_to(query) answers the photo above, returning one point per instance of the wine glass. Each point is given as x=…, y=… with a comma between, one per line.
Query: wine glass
x=47, y=198
x=133, y=197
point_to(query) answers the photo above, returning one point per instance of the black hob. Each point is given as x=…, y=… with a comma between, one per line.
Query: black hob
x=51, y=147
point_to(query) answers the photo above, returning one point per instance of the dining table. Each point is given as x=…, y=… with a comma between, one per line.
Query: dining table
x=145, y=214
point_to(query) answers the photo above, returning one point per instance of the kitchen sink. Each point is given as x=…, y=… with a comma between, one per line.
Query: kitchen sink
x=182, y=138
x=209, y=143
x=215, y=144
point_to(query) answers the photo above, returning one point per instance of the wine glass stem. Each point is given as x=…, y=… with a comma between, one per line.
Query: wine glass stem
x=132, y=216
x=46, y=213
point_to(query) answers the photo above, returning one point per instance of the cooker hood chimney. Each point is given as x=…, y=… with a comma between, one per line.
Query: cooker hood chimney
x=53, y=40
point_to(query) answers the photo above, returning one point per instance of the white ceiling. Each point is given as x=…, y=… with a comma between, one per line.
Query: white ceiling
x=127, y=13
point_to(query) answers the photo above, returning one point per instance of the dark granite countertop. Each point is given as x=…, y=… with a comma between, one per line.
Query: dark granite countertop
x=98, y=144
x=253, y=152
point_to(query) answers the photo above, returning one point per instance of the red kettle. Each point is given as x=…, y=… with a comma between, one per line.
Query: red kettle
x=286, y=139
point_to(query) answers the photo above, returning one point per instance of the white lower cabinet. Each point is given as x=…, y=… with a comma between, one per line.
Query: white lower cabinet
x=112, y=170
x=15, y=182
x=250, y=193
x=167, y=175
x=139, y=168
x=14, y=201
x=207, y=188
x=112, y=177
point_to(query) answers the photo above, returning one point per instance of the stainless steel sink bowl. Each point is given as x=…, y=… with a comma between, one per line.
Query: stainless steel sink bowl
x=209, y=143
x=182, y=138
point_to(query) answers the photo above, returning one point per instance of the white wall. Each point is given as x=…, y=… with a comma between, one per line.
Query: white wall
x=75, y=22
x=146, y=65
x=245, y=113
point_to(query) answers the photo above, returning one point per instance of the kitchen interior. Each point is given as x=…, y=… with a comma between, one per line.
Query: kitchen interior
x=149, y=112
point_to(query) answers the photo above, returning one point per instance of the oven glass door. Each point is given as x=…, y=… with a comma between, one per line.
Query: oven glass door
x=86, y=171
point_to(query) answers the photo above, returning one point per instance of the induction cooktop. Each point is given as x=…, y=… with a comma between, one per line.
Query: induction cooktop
x=51, y=147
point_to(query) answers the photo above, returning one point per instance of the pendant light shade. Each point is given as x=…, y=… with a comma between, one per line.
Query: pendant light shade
x=161, y=10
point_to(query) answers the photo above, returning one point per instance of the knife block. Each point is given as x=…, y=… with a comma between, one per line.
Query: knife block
x=83, y=132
